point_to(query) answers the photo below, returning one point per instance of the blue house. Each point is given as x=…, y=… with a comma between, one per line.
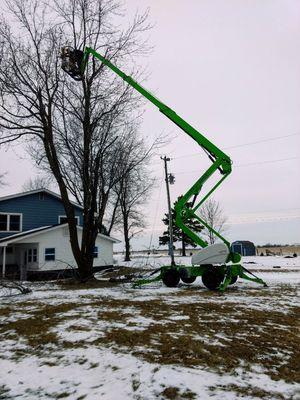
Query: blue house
x=30, y=210
x=34, y=236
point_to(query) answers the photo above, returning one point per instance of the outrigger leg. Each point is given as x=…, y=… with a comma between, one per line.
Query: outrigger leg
x=235, y=271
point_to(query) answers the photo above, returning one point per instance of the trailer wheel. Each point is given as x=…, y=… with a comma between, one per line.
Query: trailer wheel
x=184, y=276
x=171, y=278
x=233, y=280
x=189, y=280
x=212, y=278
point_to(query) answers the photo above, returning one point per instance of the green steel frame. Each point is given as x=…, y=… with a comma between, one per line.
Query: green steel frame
x=220, y=162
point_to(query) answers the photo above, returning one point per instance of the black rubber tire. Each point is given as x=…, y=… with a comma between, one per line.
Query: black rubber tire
x=233, y=280
x=184, y=276
x=212, y=278
x=190, y=279
x=171, y=278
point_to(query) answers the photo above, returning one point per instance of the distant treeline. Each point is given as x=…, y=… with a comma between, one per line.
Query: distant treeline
x=273, y=245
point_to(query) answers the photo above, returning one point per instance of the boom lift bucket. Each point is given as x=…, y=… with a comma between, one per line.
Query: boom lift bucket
x=72, y=61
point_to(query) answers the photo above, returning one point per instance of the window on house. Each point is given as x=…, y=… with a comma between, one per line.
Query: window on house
x=29, y=256
x=95, y=252
x=3, y=222
x=14, y=222
x=62, y=219
x=50, y=254
x=10, y=222
x=34, y=255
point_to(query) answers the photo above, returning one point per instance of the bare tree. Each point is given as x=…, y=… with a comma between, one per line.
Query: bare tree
x=76, y=129
x=141, y=159
x=212, y=213
x=113, y=213
x=39, y=182
x=133, y=192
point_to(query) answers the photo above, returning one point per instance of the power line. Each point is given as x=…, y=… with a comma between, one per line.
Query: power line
x=245, y=165
x=242, y=145
x=273, y=211
x=259, y=219
x=250, y=218
x=267, y=161
x=262, y=141
x=245, y=221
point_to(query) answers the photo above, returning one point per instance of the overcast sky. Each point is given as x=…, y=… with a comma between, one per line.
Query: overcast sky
x=231, y=68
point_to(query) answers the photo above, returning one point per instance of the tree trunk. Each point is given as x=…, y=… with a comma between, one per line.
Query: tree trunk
x=85, y=267
x=127, y=241
x=127, y=250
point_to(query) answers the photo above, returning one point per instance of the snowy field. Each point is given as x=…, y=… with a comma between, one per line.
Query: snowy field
x=113, y=342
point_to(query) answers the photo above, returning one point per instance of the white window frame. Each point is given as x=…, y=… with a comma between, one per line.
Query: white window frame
x=49, y=254
x=96, y=253
x=29, y=255
x=8, y=221
x=64, y=216
x=32, y=255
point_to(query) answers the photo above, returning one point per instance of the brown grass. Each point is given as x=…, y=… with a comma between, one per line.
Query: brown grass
x=73, y=284
x=218, y=335
x=249, y=336
x=37, y=328
x=122, y=271
x=108, y=278
x=173, y=393
x=250, y=391
x=4, y=392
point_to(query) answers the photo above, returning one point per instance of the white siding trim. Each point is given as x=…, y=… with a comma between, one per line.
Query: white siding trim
x=37, y=231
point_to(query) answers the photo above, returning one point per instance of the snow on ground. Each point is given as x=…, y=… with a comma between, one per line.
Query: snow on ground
x=115, y=342
x=251, y=263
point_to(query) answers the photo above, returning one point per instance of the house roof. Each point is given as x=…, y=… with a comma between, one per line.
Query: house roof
x=34, y=232
x=49, y=192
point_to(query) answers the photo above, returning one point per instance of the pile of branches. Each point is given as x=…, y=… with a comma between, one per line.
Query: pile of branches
x=11, y=286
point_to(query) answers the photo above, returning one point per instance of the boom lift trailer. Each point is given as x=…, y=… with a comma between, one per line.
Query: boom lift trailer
x=217, y=264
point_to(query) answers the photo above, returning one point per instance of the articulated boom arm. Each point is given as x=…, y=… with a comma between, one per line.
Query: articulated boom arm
x=220, y=161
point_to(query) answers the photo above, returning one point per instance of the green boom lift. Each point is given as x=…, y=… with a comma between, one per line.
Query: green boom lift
x=217, y=264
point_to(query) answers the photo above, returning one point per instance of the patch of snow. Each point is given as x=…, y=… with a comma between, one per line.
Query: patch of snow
x=104, y=374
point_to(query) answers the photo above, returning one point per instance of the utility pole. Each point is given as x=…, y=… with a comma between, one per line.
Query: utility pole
x=167, y=179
